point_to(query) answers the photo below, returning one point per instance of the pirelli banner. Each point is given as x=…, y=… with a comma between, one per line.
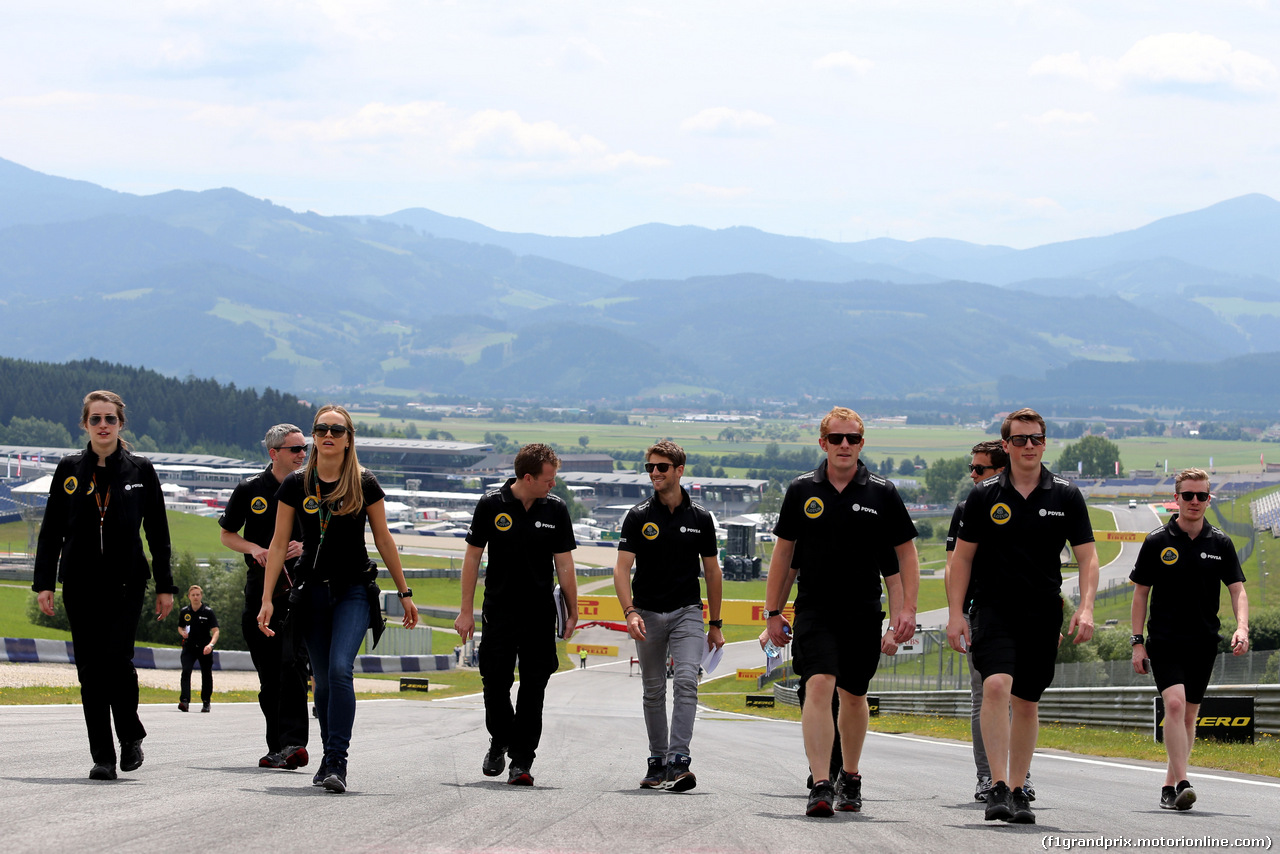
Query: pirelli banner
x=1223, y=718
x=734, y=612
x=1120, y=536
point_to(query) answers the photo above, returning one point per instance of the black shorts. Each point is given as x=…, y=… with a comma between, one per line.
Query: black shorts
x=1185, y=662
x=846, y=647
x=1021, y=642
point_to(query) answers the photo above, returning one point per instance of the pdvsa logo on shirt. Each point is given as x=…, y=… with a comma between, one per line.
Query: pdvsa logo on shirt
x=813, y=508
x=544, y=525
x=1204, y=555
x=69, y=485
x=258, y=505
x=650, y=531
x=686, y=530
x=502, y=522
x=129, y=486
x=1044, y=512
x=858, y=508
x=1169, y=556
x=311, y=505
x=1001, y=514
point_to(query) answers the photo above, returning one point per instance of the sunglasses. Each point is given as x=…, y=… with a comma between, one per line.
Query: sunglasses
x=839, y=438
x=331, y=429
x=95, y=420
x=1198, y=496
x=294, y=449
x=978, y=470
x=662, y=467
x=1022, y=439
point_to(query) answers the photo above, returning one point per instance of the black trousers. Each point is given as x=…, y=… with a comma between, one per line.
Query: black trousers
x=281, y=662
x=190, y=655
x=104, y=619
x=506, y=638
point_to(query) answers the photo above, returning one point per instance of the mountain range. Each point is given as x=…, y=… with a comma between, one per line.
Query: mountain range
x=223, y=285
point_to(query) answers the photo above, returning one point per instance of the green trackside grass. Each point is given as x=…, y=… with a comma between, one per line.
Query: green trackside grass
x=1263, y=757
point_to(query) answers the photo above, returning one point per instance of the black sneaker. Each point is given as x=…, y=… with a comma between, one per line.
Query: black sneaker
x=102, y=771
x=999, y=803
x=656, y=775
x=130, y=755
x=495, y=760
x=205, y=708
x=519, y=776
x=294, y=756
x=1186, y=796
x=848, y=792
x=1168, y=798
x=1021, y=807
x=980, y=790
x=321, y=772
x=182, y=705
x=336, y=780
x=821, y=798
x=271, y=760
x=679, y=777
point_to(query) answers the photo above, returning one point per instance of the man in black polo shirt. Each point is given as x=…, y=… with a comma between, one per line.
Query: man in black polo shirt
x=845, y=520
x=281, y=660
x=1185, y=561
x=198, y=626
x=670, y=541
x=528, y=531
x=1012, y=533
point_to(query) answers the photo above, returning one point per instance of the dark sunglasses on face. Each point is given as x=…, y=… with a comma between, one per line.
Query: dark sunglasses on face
x=293, y=449
x=331, y=429
x=95, y=420
x=838, y=438
x=978, y=470
x=1198, y=496
x=1020, y=440
x=662, y=467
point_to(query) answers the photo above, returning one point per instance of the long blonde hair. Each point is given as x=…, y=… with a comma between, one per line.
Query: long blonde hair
x=348, y=496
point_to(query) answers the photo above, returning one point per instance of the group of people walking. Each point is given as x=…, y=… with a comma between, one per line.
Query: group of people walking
x=841, y=532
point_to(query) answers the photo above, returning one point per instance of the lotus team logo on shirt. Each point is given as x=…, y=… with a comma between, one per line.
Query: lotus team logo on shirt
x=258, y=505
x=186, y=618
x=502, y=522
x=311, y=505
x=813, y=508
x=1000, y=514
x=650, y=531
x=69, y=485
x=1169, y=556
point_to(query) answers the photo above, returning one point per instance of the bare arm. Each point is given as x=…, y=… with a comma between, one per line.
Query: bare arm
x=465, y=624
x=213, y=639
x=715, y=585
x=1138, y=619
x=391, y=557
x=237, y=543
x=1082, y=620
x=1239, y=605
x=903, y=619
x=957, y=583
x=893, y=587
x=778, y=588
x=568, y=589
x=622, y=588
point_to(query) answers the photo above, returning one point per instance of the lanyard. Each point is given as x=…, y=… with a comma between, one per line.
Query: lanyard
x=102, y=509
x=326, y=513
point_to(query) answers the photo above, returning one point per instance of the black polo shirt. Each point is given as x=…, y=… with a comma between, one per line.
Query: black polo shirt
x=953, y=533
x=843, y=536
x=252, y=506
x=199, y=625
x=343, y=557
x=1020, y=539
x=669, y=547
x=521, y=546
x=1183, y=575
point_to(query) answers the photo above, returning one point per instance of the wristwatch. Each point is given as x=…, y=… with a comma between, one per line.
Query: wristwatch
x=1134, y=640
x=777, y=613
x=719, y=624
x=408, y=591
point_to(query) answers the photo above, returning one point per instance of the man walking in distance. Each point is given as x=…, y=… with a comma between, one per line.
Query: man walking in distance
x=988, y=460
x=843, y=518
x=1011, y=535
x=1184, y=561
x=528, y=532
x=198, y=626
x=281, y=659
x=670, y=541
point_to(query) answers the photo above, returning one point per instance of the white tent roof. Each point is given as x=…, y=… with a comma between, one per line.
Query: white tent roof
x=39, y=486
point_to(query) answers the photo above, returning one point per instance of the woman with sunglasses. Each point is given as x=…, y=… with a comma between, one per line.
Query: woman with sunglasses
x=89, y=541
x=334, y=498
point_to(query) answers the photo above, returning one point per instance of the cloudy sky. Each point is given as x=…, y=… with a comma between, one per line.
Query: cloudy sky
x=1017, y=122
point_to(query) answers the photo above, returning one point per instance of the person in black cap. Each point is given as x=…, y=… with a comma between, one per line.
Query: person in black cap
x=281, y=661
x=98, y=501
x=198, y=626
x=1184, y=561
x=528, y=531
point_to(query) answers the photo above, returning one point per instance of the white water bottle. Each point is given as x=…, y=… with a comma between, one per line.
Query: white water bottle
x=771, y=649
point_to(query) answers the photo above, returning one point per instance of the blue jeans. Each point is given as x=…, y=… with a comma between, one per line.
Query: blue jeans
x=679, y=634
x=336, y=621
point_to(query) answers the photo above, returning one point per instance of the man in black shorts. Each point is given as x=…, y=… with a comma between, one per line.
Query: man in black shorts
x=844, y=519
x=198, y=626
x=1011, y=536
x=528, y=532
x=1184, y=561
x=281, y=660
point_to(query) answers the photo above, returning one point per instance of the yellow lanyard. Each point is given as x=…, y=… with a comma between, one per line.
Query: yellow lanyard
x=102, y=509
x=324, y=522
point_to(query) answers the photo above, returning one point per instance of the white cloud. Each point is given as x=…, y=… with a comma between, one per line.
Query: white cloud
x=1063, y=117
x=1191, y=62
x=843, y=61
x=723, y=121
x=707, y=191
x=578, y=54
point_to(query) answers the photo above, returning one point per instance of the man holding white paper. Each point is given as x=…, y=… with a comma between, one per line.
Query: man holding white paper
x=671, y=541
